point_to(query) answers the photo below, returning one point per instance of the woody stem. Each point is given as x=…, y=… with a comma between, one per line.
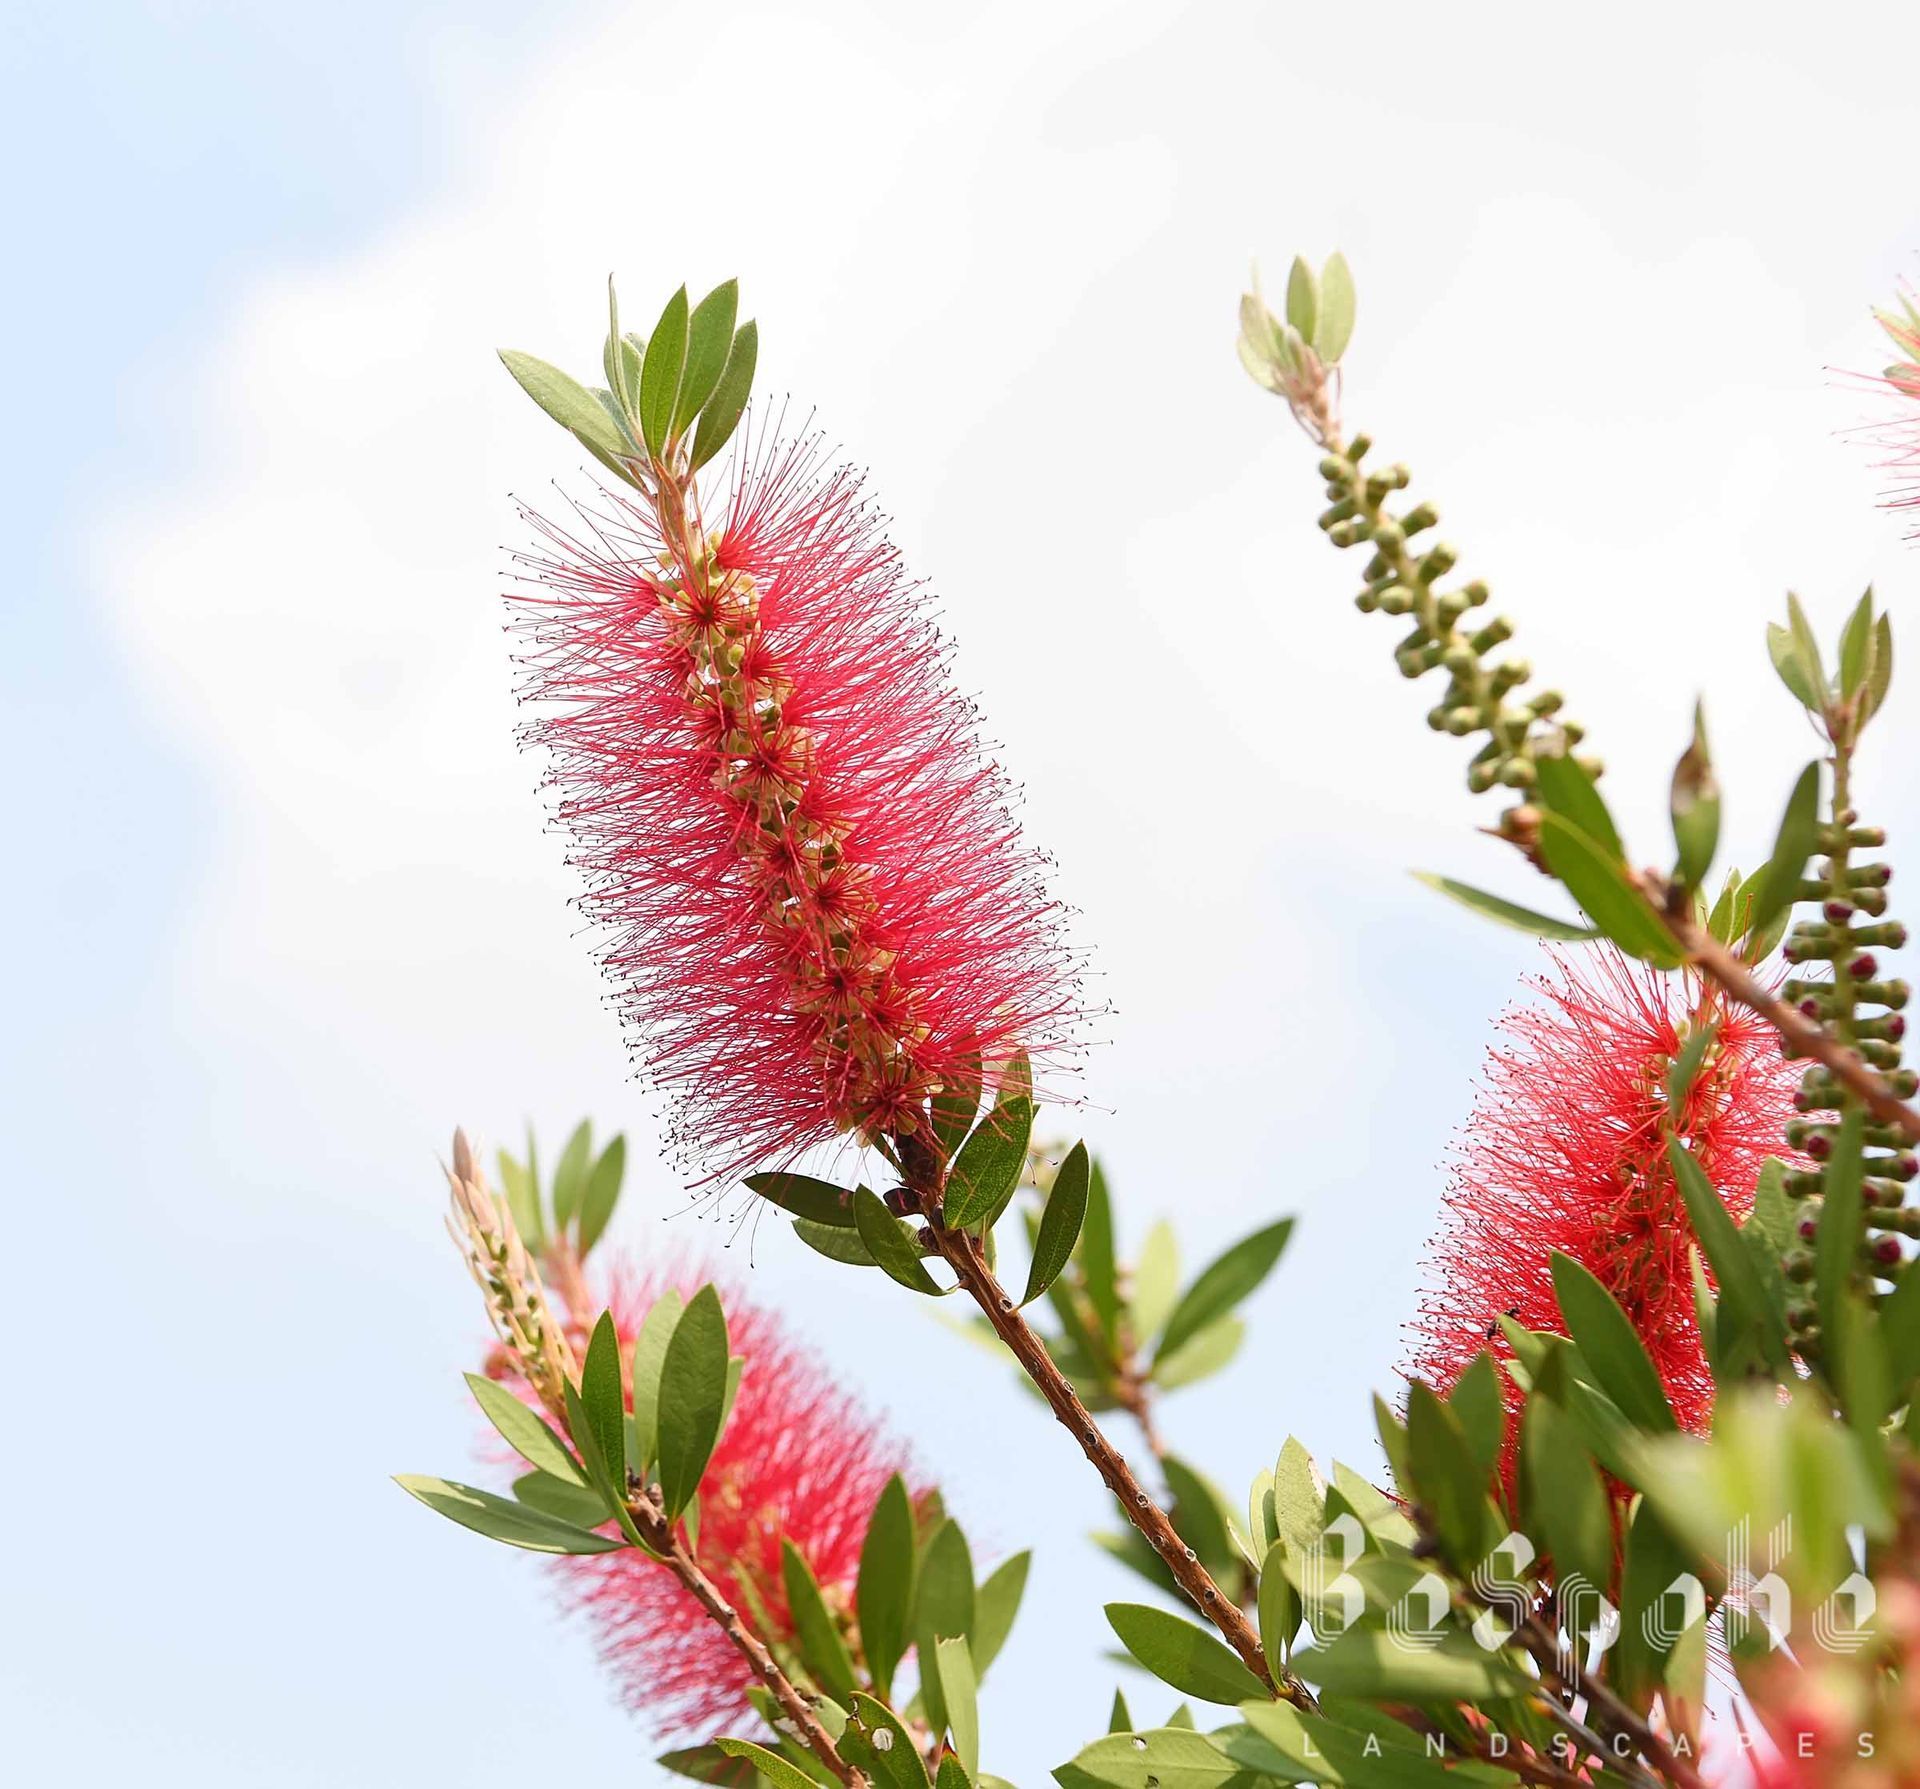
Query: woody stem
x=961, y=1250
x=659, y=1534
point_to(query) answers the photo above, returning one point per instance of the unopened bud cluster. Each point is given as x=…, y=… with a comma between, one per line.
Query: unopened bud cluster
x=1403, y=578
x=1862, y=1007
x=483, y=1229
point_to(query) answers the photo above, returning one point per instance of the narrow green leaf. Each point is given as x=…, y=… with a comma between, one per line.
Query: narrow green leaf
x=1303, y=298
x=1162, y=1758
x=780, y=1772
x=709, y=1764
x=565, y=1499
x=523, y=1199
x=895, y=1765
x=568, y=402
x=1279, y=1610
x=1479, y=1407
x=960, y=1690
x=1785, y=654
x=1225, y=1282
x=1177, y=1652
x=1059, y=1223
x=1447, y=1480
x=1745, y=1311
x=891, y=1243
x=1506, y=913
x=1807, y=648
x=693, y=1392
x=1099, y=1266
x=1371, y=1663
x=660, y=372
x=1610, y=1345
x=1200, y=1356
x=952, y=1774
x=649, y=1358
x=1568, y=1500
x=995, y=1605
x=1119, y=1717
x=1654, y=1561
x=602, y=1192
x=523, y=1431
x=1155, y=1284
x=603, y=1398
x=722, y=412
x=1600, y=885
x=1880, y=674
x=1695, y=807
x=1333, y=327
x=818, y=1201
x=943, y=1607
x=957, y=1104
x=835, y=1243
x=1776, y=885
x=570, y=1174
x=1567, y=790
x=821, y=1648
x=1856, y=647
x=709, y=342
x=988, y=1166
x=501, y=1519
x=883, y=1590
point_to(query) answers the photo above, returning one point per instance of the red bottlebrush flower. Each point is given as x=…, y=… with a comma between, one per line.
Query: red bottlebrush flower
x=1565, y=1151
x=817, y=907
x=798, y=1461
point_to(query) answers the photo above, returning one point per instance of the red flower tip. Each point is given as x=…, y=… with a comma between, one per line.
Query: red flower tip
x=798, y=1461
x=1565, y=1152
x=815, y=904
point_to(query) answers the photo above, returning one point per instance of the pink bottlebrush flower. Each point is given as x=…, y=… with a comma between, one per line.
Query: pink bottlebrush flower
x=816, y=903
x=1899, y=435
x=1565, y=1150
x=797, y=1461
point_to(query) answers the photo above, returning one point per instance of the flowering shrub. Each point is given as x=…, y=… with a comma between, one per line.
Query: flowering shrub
x=1660, y=1404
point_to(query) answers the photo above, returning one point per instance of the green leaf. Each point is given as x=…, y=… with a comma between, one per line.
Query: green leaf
x=952, y=1774
x=1745, y=1310
x=1606, y=896
x=722, y=413
x=1299, y=1498
x=1856, y=647
x=1806, y=647
x=821, y=1648
x=1880, y=674
x=1776, y=885
x=892, y=1244
x=960, y=1690
x=1695, y=807
x=603, y=1399
x=568, y=1500
x=1119, y=1717
x=1177, y=1652
x=693, y=1393
x=602, y=1192
x=501, y=1519
x=835, y=1243
x=1372, y=1663
x=995, y=1604
x=943, y=1608
x=1784, y=650
x=988, y=1166
x=1155, y=1284
x=1506, y=913
x=708, y=1764
x=1481, y=1411
x=1059, y=1223
x=1162, y=1758
x=523, y=1198
x=1566, y=789
x=780, y=1772
x=523, y=1431
x=1567, y=1498
x=818, y=1201
x=570, y=1174
x=883, y=1590
x=568, y=402
x=649, y=1358
x=1684, y=1069
x=1225, y=1282
x=1333, y=327
x=1447, y=1480
x=660, y=372
x=1303, y=298
x=1900, y=1332
x=1200, y=1516
x=957, y=1104
x=1098, y=1265
x=1654, y=1560
x=1200, y=1356
x=709, y=342
x=1610, y=1346
x=1279, y=1610
x=897, y=1765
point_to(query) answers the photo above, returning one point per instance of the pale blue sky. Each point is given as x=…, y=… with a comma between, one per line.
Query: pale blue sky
x=281, y=907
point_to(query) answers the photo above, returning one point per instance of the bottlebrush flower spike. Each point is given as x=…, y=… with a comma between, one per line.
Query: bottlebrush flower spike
x=816, y=905
x=1566, y=1150
x=798, y=1461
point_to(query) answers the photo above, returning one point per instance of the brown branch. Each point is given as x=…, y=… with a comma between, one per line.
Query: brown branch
x=1803, y=1037
x=659, y=1534
x=962, y=1252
